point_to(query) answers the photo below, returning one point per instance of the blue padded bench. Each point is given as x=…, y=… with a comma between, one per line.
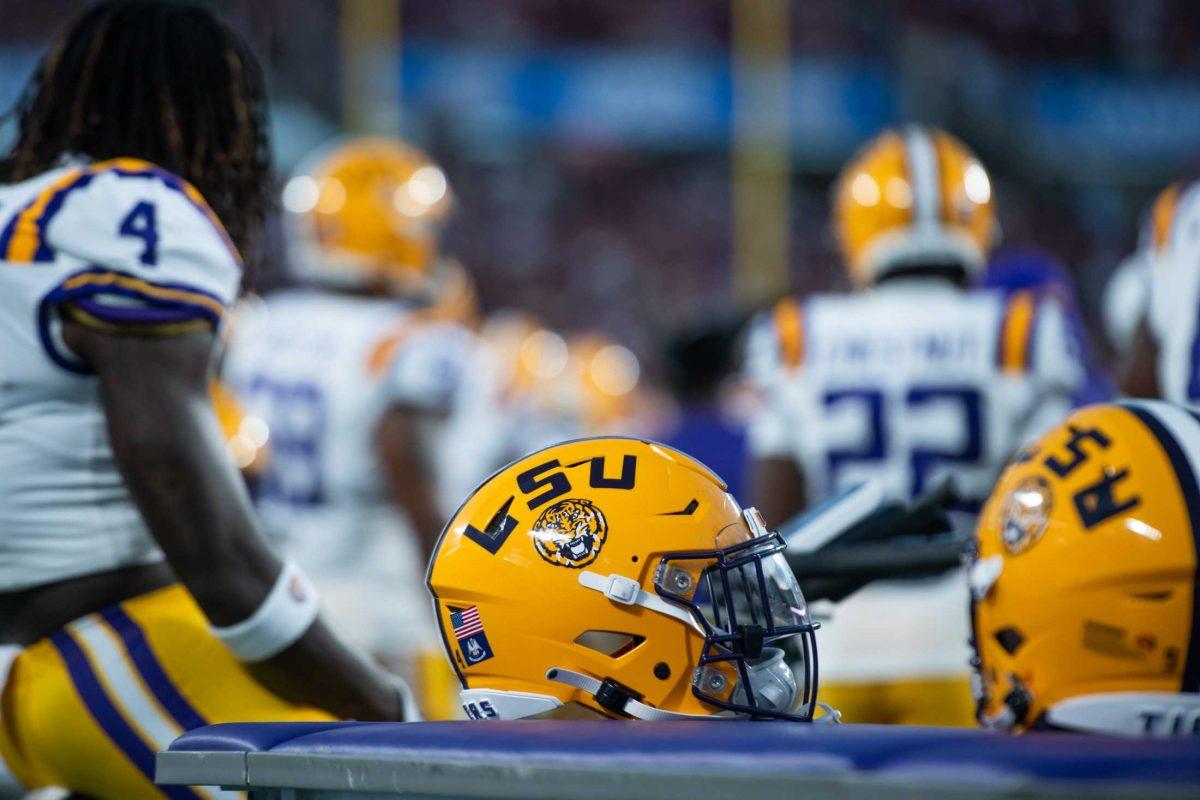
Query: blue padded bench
x=659, y=761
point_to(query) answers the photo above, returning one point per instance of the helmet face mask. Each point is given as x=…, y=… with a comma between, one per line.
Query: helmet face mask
x=750, y=605
x=619, y=575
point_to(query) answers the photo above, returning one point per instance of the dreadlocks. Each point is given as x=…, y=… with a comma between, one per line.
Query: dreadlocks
x=165, y=82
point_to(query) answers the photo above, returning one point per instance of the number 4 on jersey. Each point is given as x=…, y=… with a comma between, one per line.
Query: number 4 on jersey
x=142, y=223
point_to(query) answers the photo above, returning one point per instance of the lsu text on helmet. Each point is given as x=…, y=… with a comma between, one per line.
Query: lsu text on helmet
x=913, y=197
x=1083, y=583
x=619, y=575
x=367, y=211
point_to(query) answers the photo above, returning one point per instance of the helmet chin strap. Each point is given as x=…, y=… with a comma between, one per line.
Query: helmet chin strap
x=612, y=696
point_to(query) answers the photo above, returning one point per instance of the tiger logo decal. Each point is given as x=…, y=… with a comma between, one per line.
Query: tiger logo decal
x=570, y=533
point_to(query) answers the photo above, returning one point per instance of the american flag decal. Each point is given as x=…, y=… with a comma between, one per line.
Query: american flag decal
x=465, y=622
x=468, y=630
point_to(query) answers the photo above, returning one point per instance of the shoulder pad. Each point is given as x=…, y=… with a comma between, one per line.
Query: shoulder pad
x=122, y=213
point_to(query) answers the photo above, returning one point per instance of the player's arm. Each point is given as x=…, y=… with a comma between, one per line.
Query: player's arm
x=1139, y=372
x=168, y=446
x=1169, y=312
x=422, y=381
x=778, y=487
x=1057, y=369
x=408, y=470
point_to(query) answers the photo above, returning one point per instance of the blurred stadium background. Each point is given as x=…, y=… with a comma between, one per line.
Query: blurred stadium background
x=598, y=147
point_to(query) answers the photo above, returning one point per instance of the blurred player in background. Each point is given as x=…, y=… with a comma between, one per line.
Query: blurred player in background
x=516, y=396
x=1031, y=269
x=701, y=361
x=1126, y=297
x=354, y=376
x=1164, y=357
x=604, y=377
x=908, y=380
x=135, y=588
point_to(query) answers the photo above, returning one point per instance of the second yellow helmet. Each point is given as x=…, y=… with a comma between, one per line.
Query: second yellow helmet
x=1085, y=578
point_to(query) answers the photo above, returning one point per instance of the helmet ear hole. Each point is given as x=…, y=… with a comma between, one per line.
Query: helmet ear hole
x=609, y=643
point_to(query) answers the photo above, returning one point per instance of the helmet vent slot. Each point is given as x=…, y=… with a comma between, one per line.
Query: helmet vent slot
x=609, y=643
x=1010, y=639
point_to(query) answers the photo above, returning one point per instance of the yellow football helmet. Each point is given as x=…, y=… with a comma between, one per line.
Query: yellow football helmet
x=1084, y=582
x=913, y=197
x=367, y=210
x=621, y=576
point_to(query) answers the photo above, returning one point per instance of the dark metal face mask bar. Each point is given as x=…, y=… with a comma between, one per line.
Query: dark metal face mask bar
x=745, y=623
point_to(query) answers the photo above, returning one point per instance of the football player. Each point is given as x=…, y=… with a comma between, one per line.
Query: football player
x=1085, y=578
x=133, y=577
x=1126, y=297
x=617, y=577
x=1164, y=357
x=908, y=380
x=1029, y=268
x=354, y=375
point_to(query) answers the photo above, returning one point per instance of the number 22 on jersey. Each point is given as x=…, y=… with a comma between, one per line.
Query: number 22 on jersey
x=878, y=416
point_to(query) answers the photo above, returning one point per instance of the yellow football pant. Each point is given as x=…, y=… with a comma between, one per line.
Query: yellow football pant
x=942, y=701
x=87, y=707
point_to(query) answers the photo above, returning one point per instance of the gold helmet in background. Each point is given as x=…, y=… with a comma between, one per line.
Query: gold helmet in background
x=913, y=197
x=367, y=211
x=1084, y=582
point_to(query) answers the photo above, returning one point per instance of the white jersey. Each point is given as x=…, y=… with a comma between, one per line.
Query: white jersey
x=125, y=243
x=1174, y=311
x=320, y=369
x=906, y=385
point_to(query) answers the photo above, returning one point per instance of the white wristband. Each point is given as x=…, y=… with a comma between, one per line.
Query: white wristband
x=290, y=608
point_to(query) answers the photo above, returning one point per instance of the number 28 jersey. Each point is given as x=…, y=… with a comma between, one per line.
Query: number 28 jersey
x=907, y=383
x=125, y=244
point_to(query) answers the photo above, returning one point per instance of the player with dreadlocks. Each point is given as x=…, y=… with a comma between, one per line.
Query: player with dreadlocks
x=137, y=598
